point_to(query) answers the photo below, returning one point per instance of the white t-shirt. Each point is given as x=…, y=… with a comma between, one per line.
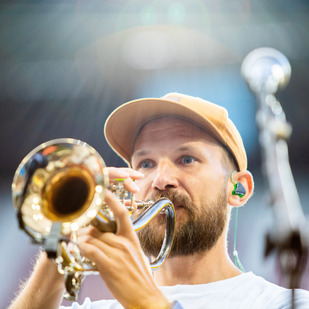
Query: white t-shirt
x=246, y=291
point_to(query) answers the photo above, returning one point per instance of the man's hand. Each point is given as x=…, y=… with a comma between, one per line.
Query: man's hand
x=125, y=173
x=119, y=258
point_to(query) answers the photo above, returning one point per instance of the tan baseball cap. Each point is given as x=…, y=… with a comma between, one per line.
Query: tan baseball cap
x=124, y=123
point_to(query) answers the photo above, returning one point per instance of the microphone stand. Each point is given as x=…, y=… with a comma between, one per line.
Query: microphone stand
x=265, y=71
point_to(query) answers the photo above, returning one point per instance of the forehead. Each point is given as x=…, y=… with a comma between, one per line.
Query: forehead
x=171, y=129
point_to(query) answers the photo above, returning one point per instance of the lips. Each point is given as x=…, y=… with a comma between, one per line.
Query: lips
x=177, y=206
x=179, y=200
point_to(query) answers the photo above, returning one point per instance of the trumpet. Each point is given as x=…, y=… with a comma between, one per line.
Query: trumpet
x=58, y=188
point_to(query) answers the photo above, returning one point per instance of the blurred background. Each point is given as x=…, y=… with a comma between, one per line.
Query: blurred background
x=65, y=65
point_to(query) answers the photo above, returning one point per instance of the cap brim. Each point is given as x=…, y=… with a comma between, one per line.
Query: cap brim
x=123, y=125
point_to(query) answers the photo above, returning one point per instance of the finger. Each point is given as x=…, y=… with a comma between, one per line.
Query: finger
x=92, y=232
x=110, y=239
x=130, y=185
x=121, y=215
x=115, y=172
x=113, y=264
x=112, y=246
x=83, y=231
x=109, y=247
x=95, y=250
x=127, y=175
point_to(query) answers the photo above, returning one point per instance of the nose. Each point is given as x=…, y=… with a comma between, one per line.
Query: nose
x=165, y=176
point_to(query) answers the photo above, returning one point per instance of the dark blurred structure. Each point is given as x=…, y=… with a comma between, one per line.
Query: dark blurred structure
x=65, y=65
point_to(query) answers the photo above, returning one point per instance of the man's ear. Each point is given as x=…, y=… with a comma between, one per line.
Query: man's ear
x=245, y=178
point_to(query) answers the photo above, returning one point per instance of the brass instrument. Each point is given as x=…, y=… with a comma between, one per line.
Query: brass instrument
x=58, y=188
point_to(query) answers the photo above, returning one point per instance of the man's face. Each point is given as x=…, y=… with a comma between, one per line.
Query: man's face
x=185, y=164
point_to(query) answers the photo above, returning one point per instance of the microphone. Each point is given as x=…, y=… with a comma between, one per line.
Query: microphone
x=266, y=70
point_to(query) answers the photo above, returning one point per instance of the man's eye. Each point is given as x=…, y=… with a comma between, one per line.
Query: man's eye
x=187, y=160
x=146, y=164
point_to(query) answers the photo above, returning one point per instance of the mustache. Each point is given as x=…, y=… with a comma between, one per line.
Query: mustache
x=178, y=199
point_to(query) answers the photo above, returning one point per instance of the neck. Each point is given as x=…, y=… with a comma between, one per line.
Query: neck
x=213, y=265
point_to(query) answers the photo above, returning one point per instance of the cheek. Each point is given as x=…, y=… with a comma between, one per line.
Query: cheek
x=204, y=189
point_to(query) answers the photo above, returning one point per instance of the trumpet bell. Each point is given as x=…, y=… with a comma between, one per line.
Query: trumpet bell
x=62, y=180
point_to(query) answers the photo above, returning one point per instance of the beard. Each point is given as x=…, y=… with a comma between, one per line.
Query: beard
x=196, y=231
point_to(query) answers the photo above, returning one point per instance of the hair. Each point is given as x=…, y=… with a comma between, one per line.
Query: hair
x=229, y=160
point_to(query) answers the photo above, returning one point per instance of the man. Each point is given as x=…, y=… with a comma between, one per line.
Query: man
x=188, y=150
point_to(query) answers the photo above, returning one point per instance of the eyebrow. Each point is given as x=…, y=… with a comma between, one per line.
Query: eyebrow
x=184, y=148
x=140, y=153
